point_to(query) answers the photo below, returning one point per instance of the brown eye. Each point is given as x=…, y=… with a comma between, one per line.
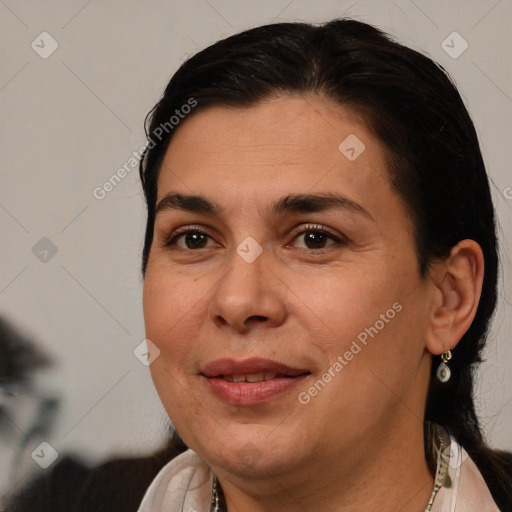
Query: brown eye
x=189, y=240
x=195, y=240
x=315, y=239
x=318, y=237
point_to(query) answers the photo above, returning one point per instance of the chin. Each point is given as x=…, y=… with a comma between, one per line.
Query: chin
x=251, y=456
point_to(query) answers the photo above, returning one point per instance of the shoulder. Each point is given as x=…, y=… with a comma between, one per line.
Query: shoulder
x=56, y=489
x=116, y=485
x=119, y=485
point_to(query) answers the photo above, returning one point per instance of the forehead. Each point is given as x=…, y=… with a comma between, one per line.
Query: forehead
x=285, y=144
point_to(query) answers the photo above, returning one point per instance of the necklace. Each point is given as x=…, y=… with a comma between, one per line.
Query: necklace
x=438, y=444
x=218, y=503
x=439, y=450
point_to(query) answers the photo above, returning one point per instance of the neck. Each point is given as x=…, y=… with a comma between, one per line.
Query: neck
x=390, y=474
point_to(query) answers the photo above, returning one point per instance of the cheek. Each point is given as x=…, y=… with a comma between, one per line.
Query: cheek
x=371, y=371
x=375, y=324
x=171, y=310
x=169, y=300
x=343, y=302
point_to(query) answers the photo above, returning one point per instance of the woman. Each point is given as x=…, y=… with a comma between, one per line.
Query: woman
x=319, y=274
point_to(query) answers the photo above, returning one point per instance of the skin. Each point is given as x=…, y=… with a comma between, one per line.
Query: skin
x=357, y=444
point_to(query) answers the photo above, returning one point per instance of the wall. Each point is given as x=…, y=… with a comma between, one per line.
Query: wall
x=70, y=119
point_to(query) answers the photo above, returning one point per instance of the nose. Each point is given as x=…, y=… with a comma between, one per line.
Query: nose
x=248, y=296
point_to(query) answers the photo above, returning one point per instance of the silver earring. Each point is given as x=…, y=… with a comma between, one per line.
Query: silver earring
x=443, y=372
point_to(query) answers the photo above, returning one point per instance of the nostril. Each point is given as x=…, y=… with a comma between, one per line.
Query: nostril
x=222, y=321
x=258, y=318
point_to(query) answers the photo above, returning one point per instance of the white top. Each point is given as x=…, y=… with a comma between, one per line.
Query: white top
x=185, y=485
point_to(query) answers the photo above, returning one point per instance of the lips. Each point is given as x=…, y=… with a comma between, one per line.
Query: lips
x=251, y=377
x=251, y=381
x=254, y=365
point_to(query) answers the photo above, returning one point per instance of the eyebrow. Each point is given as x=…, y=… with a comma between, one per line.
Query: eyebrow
x=311, y=203
x=188, y=203
x=292, y=203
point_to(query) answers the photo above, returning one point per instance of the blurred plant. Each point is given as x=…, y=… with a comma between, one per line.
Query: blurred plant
x=20, y=360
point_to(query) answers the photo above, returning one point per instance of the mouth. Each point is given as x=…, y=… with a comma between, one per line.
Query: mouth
x=251, y=381
x=253, y=377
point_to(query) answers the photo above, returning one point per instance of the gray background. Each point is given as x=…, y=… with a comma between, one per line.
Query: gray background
x=71, y=120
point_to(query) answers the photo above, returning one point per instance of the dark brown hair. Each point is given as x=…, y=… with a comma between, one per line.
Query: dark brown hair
x=436, y=166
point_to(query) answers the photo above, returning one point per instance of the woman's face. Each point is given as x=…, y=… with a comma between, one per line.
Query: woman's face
x=282, y=290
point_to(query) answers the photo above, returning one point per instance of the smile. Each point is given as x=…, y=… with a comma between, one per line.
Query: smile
x=252, y=377
x=251, y=382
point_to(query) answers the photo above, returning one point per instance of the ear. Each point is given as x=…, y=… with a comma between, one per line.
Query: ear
x=457, y=282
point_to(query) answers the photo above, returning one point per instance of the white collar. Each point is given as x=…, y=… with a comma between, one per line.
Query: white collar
x=468, y=492
x=185, y=483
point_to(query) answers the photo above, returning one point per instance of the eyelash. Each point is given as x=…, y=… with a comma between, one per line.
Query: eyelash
x=171, y=240
x=308, y=228
x=339, y=239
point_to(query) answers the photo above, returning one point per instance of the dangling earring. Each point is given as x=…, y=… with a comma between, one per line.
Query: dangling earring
x=443, y=372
